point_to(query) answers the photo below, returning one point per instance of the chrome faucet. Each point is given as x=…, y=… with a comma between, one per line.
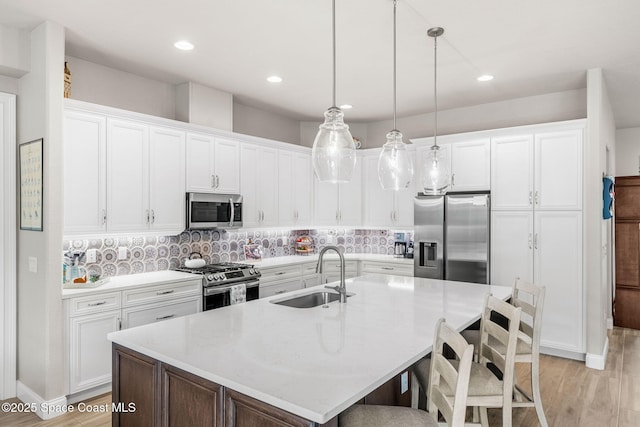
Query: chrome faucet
x=342, y=289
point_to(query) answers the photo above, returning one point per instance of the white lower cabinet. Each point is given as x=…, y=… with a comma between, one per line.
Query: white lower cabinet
x=280, y=287
x=374, y=267
x=544, y=247
x=90, y=350
x=92, y=317
x=151, y=313
x=331, y=270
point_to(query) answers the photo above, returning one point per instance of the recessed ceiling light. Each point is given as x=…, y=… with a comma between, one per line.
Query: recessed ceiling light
x=346, y=106
x=274, y=79
x=485, y=78
x=183, y=45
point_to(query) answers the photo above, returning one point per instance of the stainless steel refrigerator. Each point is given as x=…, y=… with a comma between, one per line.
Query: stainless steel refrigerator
x=451, y=237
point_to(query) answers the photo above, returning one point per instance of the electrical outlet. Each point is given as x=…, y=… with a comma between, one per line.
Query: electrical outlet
x=91, y=255
x=404, y=382
x=33, y=264
x=122, y=252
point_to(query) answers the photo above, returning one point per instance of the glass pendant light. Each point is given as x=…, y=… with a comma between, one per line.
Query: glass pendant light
x=395, y=166
x=436, y=177
x=334, y=153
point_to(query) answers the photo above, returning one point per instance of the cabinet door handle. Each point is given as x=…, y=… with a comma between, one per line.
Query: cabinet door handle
x=336, y=215
x=535, y=241
x=165, y=317
x=213, y=182
x=530, y=241
x=531, y=197
x=164, y=292
x=387, y=268
x=217, y=181
x=148, y=216
x=153, y=216
x=95, y=304
x=280, y=273
x=453, y=179
x=281, y=292
x=104, y=216
x=536, y=197
x=119, y=323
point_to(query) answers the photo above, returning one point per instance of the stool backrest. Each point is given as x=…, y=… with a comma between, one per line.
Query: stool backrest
x=449, y=376
x=530, y=298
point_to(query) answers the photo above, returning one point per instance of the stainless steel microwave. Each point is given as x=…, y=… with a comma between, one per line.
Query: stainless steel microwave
x=206, y=210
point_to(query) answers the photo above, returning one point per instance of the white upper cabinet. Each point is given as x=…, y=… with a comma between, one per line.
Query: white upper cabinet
x=212, y=164
x=384, y=208
x=558, y=170
x=339, y=204
x=145, y=177
x=294, y=188
x=512, y=172
x=127, y=176
x=541, y=170
x=470, y=170
x=259, y=185
x=166, y=179
x=84, y=161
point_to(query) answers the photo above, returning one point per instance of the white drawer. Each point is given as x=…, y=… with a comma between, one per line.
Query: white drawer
x=94, y=304
x=334, y=265
x=151, y=313
x=386, y=268
x=280, y=273
x=166, y=292
x=309, y=268
x=280, y=288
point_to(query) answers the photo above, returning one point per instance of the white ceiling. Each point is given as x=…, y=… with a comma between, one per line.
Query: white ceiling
x=531, y=47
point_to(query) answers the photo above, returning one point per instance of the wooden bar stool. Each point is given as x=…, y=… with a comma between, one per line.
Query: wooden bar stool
x=448, y=387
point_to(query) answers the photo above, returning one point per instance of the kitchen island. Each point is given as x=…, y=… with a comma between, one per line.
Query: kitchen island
x=309, y=363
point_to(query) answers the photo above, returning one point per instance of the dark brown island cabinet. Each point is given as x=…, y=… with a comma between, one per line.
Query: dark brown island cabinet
x=153, y=393
x=626, y=308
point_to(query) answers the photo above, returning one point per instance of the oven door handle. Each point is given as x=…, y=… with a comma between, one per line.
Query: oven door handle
x=215, y=290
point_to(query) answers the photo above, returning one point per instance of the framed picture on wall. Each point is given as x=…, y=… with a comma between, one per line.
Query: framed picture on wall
x=30, y=157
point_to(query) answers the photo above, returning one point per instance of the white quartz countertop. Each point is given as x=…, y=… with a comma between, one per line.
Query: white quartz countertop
x=301, y=259
x=118, y=283
x=314, y=362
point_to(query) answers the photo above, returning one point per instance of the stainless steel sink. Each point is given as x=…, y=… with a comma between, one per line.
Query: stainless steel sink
x=310, y=300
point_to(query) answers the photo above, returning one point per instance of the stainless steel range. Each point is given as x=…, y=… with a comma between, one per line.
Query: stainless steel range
x=218, y=281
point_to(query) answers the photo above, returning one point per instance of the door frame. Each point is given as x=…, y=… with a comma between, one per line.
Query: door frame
x=8, y=227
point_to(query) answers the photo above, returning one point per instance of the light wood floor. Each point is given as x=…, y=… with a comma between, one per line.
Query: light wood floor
x=573, y=395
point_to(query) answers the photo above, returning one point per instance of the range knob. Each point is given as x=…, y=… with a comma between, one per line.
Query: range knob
x=252, y=271
x=256, y=271
x=210, y=277
x=222, y=276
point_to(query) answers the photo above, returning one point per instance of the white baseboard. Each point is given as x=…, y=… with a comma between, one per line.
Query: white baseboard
x=598, y=361
x=88, y=394
x=45, y=409
x=609, y=322
x=565, y=354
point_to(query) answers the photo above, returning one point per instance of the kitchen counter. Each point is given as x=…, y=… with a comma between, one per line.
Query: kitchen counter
x=131, y=281
x=313, y=362
x=300, y=259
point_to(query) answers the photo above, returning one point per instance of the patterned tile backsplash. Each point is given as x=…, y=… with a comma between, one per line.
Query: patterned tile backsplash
x=155, y=253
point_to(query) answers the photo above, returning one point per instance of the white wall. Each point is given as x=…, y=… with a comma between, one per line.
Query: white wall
x=628, y=152
x=102, y=85
x=14, y=51
x=600, y=135
x=41, y=366
x=253, y=121
x=203, y=105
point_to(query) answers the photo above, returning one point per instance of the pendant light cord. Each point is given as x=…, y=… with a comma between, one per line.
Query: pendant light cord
x=333, y=29
x=394, y=65
x=435, y=90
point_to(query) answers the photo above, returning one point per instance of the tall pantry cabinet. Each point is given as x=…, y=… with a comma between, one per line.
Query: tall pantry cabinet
x=536, y=224
x=627, y=298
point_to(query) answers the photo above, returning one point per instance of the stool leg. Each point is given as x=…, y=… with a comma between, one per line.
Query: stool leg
x=415, y=391
x=535, y=388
